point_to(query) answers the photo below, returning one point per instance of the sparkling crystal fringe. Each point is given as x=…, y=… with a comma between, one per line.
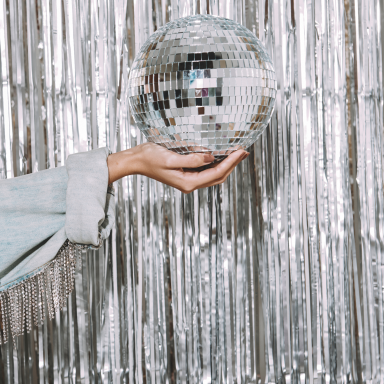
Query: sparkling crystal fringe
x=46, y=291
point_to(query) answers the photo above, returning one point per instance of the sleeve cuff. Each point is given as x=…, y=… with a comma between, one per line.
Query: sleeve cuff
x=90, y=202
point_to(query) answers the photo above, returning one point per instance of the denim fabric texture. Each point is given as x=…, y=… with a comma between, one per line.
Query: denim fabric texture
x=39, y=211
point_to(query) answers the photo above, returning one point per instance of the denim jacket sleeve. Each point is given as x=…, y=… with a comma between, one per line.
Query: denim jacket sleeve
x=39, y=211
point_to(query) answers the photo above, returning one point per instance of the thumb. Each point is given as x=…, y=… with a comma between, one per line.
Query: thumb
x=193, y=160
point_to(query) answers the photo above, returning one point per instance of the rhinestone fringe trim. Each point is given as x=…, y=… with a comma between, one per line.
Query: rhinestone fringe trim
x=47, y=291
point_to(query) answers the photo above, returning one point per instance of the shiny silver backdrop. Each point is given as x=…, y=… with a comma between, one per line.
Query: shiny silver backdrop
x=275, y=276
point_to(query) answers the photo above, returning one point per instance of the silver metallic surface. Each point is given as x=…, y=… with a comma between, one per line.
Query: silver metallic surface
x=202, y=84
x=276, y=275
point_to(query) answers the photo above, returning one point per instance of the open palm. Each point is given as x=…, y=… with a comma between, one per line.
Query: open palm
x=183, y=172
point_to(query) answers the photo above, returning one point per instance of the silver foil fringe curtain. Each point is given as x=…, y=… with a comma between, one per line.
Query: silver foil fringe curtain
x=275, y=276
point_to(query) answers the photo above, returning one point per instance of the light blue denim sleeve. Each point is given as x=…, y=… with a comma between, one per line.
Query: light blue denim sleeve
x=38, y=212
x=86, y=195
x=32, y=210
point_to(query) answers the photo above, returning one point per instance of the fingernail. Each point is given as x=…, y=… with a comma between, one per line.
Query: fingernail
x=208, y=158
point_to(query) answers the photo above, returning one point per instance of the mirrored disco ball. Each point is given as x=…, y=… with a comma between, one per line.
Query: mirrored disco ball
x=202, y=84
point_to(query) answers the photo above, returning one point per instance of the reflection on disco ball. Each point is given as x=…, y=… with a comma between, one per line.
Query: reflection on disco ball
x=202, y=84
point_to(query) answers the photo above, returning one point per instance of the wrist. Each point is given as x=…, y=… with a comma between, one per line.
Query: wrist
x=123, y=163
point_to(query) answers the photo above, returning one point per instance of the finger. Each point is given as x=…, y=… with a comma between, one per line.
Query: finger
x=227, y=173
x=193, y=160
x=192, y=180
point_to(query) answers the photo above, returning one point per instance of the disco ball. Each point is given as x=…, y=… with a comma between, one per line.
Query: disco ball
x=202, y=84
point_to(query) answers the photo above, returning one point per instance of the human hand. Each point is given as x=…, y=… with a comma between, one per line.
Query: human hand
x=157, y=162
